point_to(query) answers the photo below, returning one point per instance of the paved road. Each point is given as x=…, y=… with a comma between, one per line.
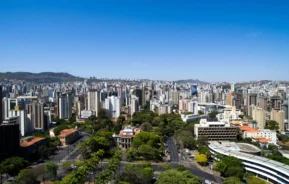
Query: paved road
x=173, y=150
x=175, y=160
x=70, y=152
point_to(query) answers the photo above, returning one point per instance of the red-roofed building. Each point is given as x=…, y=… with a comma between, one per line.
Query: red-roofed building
x=125, y=137
x=29, y=145
x=263, y=136
x=68, y=136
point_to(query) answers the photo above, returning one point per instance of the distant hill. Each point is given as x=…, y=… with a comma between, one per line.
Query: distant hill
x=191, y=81
x=43, y=77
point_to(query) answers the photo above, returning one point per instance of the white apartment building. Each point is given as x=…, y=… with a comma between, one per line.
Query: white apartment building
x=93, y=101
x=7, y=105
x=25, y=124
x=64, y=106
x=134, y=107
x=112, y=106
x=193, y=107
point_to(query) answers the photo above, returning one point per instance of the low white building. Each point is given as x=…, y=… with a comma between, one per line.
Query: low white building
x=86, y=114
x=215, y=130
x=230, y=113
x=125, y=137
x=263, y=136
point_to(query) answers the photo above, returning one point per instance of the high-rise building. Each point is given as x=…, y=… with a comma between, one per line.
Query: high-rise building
x=65, y=106
x=193, y=106
x=233, y=87
x=279, y=117
x=78, y=108
x=112, y=106
x=251, y=100
x=9, y=138
x=258, y=114
x=194, y=90
x=8, y=104
x=174, y=97
x=26, y=126
x=263, y=103
x=1, y=105
x=36, y=110
x=230, y=98
x=139, y=94
x=134, y=104
x=284, y=108
x=93, y=101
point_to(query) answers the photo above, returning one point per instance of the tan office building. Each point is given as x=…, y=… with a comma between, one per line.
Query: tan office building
x=279, y=117
x=258, y=114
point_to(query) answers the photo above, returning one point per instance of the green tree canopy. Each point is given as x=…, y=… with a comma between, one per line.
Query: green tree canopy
x=13, y=165
x=178, y=177
x=255, y=180
x=137, y=174
x=272, y=125
x=51, y=169
x=232, y=180
x=213, y=115
x=59, y=128
x=26, y=176
x=230, y=167
x=148, y=138
x=147, y=127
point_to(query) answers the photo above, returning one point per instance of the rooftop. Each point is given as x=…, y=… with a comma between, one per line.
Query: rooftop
x=67, y=131
x=31, y=142
x=274, y=165
x=248, y=129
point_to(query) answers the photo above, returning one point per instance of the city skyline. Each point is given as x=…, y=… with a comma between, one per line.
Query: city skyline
x=164, y=40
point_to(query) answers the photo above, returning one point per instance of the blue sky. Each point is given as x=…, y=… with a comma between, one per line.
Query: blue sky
x=206, y=40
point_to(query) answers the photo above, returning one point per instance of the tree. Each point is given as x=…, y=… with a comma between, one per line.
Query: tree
x=94, y=144
x=51, y=169
x=180, y=167
x=272, y=125
x=213, y=115
x=202, y=159
x=204, y=150
x=178, y=177
x=283, y=138
x=200, y=112
x=232, y=180
x=59, y=128
x=255, y=180
x=234, y=171
x=221, y=167
x=67, y=165
x=137, y=174
x=13, y=165
x=230, y=167
x=149, y=138
x=92, y=118
x=147, y=127
x=26, y=176
x=72, y=119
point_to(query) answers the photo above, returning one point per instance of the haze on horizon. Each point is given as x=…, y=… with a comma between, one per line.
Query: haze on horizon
x=168, y=40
